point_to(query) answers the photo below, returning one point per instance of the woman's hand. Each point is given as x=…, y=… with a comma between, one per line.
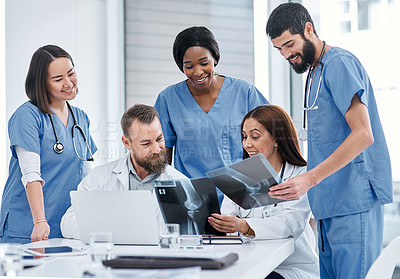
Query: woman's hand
x=228, y=224
x=40, y=231
x=34, y=193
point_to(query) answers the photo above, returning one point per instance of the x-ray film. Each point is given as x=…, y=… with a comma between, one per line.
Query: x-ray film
x=247, y=182
x=188, y=203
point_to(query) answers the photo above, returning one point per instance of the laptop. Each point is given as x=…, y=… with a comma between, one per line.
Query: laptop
x=129, y=215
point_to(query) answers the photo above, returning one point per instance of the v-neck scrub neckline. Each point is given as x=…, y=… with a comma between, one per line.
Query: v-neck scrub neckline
x=218, y=100
x=206, y=141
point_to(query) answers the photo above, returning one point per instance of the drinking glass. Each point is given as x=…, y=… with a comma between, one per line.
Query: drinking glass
x=169, y=236
x=10, y=259
x=191, y=241
x=102, y=247
x=247, y=240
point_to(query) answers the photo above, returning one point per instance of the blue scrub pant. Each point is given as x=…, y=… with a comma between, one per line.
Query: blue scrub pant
x=348, y=245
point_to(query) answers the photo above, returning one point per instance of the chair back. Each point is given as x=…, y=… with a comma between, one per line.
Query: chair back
x=385, y=264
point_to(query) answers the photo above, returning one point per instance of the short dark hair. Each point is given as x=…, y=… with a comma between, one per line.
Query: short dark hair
x=280, y=126
x=194, y=36
x=143, y=113
x=36, y=79
x=288, y=16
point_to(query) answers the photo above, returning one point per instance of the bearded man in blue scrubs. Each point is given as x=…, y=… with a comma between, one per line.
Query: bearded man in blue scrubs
x=349, y=175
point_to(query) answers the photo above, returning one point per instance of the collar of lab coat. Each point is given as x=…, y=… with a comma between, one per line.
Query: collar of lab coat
x=121, y=170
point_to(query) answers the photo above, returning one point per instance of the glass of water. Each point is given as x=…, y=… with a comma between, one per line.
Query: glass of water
x=246, y=240
x=169, y=236
x=101, y=247
x=191, y=241
x=10, y=259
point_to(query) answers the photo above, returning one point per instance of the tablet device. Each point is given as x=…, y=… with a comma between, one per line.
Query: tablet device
x=56, y=250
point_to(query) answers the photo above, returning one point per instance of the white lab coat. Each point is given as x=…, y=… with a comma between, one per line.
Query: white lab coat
x=113, y=176
x=286, y=219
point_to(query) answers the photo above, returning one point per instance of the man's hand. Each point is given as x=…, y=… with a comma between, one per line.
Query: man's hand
x=292, y=189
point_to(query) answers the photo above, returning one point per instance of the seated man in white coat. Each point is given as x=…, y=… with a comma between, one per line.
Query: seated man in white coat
x=145, y=162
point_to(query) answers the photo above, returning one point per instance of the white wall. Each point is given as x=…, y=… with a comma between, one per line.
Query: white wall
x=261, y=43
x=3, y=164
x=279, y=70
x=151, y=28
x=92, y=32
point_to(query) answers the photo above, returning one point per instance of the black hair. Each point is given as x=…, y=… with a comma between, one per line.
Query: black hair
x=194, y=36
x=288, y=16
x=36, y=79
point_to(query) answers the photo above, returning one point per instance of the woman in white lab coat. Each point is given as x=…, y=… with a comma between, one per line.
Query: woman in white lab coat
x=269, y=130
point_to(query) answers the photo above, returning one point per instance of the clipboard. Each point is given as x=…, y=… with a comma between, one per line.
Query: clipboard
x=222, y=240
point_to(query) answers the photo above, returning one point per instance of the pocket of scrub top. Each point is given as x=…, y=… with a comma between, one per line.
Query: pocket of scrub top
x=328, y=122
x=3, y=225
x=231, y=143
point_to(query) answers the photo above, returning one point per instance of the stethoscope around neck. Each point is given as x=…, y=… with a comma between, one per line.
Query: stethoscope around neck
x=309, y=81
x=58, y=147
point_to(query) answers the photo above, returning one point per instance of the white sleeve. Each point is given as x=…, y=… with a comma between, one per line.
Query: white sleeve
x=68, y=225
x=286, y=219
x=29, y=163
x=88, y=167
x=229, y=207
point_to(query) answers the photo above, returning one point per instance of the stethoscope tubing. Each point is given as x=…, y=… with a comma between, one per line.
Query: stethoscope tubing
x=59, y=147
x=306, y=106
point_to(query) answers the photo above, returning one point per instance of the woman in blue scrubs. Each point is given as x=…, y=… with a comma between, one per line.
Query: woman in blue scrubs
x=50, y=145
x=201, y=115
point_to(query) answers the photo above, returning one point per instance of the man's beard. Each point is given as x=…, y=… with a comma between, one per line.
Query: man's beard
x=307, y=58
x=155, y=163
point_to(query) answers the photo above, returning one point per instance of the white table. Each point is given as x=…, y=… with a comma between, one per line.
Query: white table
x=254, y=262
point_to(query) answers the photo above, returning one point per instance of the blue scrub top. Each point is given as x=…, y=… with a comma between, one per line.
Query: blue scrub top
x=368, y=178
x=32, y=130
x=206, y=141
